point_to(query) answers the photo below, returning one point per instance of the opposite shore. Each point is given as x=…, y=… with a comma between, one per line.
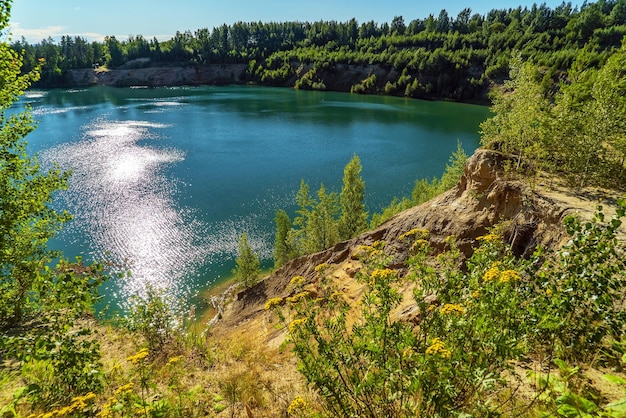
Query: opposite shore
x=342, y=78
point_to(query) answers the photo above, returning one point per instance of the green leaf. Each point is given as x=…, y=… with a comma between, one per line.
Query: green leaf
x=615, y=379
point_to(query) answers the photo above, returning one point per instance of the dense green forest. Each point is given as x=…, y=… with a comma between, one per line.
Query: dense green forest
x=441, y=56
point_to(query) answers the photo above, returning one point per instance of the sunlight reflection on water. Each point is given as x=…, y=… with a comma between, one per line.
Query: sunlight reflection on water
x=118, y=193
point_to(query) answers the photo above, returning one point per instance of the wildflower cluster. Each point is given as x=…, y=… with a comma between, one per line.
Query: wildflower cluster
x=298, y=297
x=416, y=233
x=509, y=276
x=297, y=407
x=296, y=323
x=370, y=251
x=452, y=309
x=79, y=403
x=174, y=360
x=381, y=275
x=142, y=354
x=127, y=388
x=320, y=267
x=419, y=244
x=503, y=276
x=272, y=303
x=492, y=274
x=438, y=347
x=298, y=280
x=490, y=238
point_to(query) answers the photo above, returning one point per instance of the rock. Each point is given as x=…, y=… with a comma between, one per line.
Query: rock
x=192, y=75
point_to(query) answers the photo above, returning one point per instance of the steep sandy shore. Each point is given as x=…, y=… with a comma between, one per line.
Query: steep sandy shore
x=484, y=197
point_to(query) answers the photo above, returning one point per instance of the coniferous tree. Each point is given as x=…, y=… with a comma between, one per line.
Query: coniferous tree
x=247, y=265
x=283, y=250
x=353, y=218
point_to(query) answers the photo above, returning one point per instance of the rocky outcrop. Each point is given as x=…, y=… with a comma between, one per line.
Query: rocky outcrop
x=484, y=197
x=215, y=74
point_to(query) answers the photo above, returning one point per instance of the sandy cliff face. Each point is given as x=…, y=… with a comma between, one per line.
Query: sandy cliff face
x=483, y=198
x=160, y=76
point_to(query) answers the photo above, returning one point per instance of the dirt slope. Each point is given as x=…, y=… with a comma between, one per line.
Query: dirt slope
x=484, y=197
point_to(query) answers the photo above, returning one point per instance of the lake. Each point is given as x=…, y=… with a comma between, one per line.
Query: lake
x=165, y=180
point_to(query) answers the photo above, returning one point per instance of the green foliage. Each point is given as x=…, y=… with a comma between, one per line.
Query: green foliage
x=469, y=323
x=26, y=218
x=323, y=221
x=577, y=289
x=368, y=85
x=155, y=318
x=58, y=356
x=353, y=219
x=434, y=57
x=578, y=131
x=424, y=189
x=517, y=124
x=247, y=265
x=283, y=250
x=42, y=310
x=566, y=395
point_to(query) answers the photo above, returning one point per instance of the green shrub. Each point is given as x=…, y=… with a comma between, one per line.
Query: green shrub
x=470, y=321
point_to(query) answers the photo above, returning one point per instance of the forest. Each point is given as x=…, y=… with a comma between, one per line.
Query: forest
x=494, y=333
x=436, y=57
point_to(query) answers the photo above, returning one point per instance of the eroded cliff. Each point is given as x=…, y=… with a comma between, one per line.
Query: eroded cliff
x=485, y=196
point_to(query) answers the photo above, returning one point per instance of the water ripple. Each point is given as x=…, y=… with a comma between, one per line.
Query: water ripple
x=119, y=194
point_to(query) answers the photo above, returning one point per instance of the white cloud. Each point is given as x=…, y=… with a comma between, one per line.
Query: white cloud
x=34, y=35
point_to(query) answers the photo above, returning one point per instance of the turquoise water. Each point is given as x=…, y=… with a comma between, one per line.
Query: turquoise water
x=165, y=180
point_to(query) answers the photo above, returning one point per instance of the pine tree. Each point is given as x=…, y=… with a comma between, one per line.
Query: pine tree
x=247, y=265
x=283, y=250
x=353, y=218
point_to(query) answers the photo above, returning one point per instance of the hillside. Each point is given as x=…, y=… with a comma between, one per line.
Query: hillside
x=485, y=197
x=240, y=367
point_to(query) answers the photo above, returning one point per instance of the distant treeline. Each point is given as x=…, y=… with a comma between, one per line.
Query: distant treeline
x=440, y=56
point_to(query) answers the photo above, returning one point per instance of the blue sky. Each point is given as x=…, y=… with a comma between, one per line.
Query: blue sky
x=94, y=19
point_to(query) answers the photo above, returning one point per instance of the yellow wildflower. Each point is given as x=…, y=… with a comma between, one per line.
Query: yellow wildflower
x=272, y=303
x=491, y=237
x=407, y=352
x=509, y=276
x=297, y=280
x=174, y=360
x=548, y=292
x=142, y=354
x=380, y=275
x=438, y=347
x=419, y=245
x=128, y=387
x=475, y=294
x=297, y=407
x=370, y=251
x=296, y=323
x=298, y=297
x=417, y=233
x=452, y=309
x=491, y=274
x=322, y=266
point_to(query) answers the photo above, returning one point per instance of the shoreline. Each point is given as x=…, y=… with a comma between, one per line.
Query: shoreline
x=216, y=298
x=340, y=80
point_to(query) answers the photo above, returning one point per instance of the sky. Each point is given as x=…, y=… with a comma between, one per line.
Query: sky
x=94, y=19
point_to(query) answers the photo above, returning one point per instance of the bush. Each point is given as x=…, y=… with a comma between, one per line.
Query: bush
x=451, y=356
